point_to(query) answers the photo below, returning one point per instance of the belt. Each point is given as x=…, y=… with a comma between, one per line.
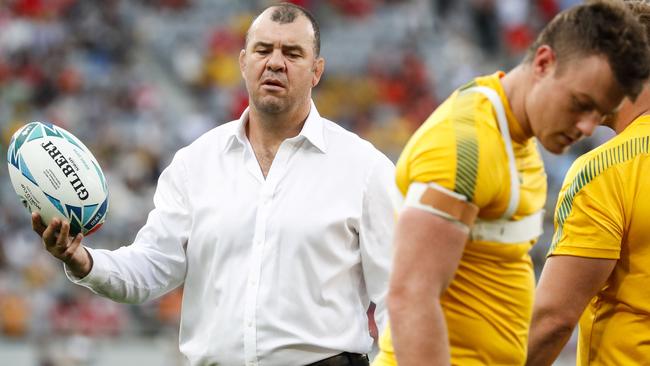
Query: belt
x=343, y=359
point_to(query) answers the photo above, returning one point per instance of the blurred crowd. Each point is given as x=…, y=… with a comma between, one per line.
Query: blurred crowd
x=138, y=79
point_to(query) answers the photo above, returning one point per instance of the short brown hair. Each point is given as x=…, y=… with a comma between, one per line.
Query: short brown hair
x=641, y=9
x=601, y=27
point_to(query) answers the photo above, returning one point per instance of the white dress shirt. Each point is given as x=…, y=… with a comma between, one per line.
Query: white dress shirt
x=277, y=271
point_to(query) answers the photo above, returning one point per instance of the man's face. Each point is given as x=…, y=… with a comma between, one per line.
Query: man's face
x=279, y=65
x=562, y=107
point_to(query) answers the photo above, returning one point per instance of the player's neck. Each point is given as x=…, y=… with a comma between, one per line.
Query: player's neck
x=514, y=86
x=631, y=112
x=623, y=124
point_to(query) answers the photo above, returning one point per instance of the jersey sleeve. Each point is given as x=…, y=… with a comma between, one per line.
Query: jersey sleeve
x=431, y=159
x=460, y=153
x=589, y=217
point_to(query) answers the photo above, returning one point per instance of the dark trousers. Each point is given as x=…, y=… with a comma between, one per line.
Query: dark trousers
x=343, y=359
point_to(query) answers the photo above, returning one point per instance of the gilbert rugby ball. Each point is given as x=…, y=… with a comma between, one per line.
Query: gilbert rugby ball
x=54, y=174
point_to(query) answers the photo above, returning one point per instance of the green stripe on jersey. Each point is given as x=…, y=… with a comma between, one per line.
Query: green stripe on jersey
x=593, y=168
x=466, y=151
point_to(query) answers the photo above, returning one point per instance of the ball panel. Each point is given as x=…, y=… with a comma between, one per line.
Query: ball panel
x=33, y=198
x=25, y=171
x=36, y=133
x=56, y=203
x=21, y=136
x=97, y=218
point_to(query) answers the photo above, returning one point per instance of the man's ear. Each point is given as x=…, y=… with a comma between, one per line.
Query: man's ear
x=319, y=68
x=544, y=62
x=242, y=63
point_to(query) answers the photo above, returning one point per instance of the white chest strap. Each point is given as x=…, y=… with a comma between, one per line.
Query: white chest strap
x=494, y=98
x=507, y=231
x=504, y=230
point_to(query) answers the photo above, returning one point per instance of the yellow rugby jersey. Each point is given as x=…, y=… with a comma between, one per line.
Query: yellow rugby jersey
x=602, y=212
x=488, y=304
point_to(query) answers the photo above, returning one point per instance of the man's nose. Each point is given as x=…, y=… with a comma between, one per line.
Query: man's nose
x=588, y=122
x=276, y=61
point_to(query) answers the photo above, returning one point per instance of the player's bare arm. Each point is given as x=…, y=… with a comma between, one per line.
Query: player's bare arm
x=428, y=250
x=565, y=287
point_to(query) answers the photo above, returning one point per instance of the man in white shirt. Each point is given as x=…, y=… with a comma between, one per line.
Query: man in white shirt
x=278, y=224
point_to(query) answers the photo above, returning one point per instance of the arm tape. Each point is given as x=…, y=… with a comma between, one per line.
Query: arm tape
x=440, y=201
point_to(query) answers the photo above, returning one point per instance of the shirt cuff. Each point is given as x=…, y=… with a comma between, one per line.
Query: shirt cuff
x=97, y=275
x=581, y=251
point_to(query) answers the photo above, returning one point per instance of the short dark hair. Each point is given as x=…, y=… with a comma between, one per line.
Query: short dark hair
x=641, y=9
x=284, y=13
x=600, y=27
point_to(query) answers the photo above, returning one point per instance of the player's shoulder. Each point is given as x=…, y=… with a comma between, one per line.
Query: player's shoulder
x=619, y=150
x=339, y=140
x=464, y=123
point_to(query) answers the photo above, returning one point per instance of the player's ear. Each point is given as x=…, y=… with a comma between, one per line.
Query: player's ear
x=544, y=61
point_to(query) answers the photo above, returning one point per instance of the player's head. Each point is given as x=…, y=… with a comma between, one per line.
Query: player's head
x=280, y=63
x=630, y=109
x=583, y=63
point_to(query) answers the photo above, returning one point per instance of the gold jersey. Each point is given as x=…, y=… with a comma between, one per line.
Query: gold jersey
x=602, y=212
x=488, y=304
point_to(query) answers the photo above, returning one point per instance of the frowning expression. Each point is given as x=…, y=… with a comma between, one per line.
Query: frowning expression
x=279, y=64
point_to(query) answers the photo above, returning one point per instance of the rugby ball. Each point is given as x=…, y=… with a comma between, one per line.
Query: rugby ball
x=56, y=175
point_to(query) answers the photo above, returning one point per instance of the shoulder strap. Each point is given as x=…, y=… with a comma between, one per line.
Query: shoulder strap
x=494, y=98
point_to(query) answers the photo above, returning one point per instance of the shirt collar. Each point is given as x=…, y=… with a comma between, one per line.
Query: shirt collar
x=312, y=130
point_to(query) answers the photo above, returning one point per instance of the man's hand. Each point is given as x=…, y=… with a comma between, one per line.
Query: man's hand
x=57, y=240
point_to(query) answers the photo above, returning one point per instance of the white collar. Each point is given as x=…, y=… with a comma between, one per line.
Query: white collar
x=312, y=130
